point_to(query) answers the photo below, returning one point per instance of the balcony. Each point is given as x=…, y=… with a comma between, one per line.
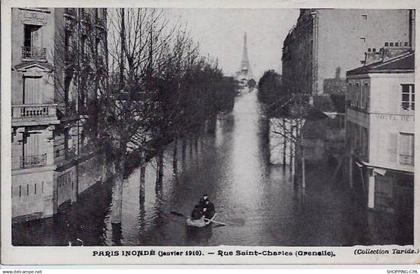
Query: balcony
x=34, y=54
x=34, y=114
x=33, y=161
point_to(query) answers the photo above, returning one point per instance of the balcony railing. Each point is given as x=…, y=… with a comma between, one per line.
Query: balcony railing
x=34, y=111
x=33, y=53
x=33, y=161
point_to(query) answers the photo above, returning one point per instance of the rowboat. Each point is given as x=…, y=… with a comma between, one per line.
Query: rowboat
x=202, y=222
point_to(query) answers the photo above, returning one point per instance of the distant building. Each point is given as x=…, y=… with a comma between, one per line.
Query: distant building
x=327, y=41
x=50, y=104
x=244, y=74
x=380, y=129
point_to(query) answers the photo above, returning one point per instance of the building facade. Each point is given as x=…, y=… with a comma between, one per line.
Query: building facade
x=380, y=129
x=325, y=42
x=49, y=104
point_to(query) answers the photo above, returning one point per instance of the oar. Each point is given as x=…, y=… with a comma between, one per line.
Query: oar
x=211, y=220
x=178, y=214
x=216, y=222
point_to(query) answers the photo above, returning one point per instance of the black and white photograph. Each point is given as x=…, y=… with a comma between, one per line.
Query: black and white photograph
x=176, y=126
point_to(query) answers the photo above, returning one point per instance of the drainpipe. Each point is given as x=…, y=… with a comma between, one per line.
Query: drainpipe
x=411, y=29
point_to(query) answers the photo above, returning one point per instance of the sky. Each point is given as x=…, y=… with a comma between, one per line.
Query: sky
x=220, y=32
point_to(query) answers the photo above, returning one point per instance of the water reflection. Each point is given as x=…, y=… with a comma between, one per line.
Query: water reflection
x=260, y=203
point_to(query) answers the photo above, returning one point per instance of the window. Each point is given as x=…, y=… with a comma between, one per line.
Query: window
x=365, y=96
x=407, y=97
x=31, y=145
x=67, y=144
x=365, y=143
x=32, y=92
x=363, y=39
x=406, y=149
x=31, y=36
x=357, y=95
x=386, y=44
x=364, y=16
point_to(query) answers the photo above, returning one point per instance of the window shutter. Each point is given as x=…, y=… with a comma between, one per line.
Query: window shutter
x=406, y=149
x=392, y=147
x=33, y=93
x=32, y=145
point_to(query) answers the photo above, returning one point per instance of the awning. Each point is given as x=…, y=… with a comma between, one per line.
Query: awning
x=358, y=164
x=380, y=171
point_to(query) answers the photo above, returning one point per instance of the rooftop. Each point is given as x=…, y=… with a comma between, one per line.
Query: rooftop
x=403, y=63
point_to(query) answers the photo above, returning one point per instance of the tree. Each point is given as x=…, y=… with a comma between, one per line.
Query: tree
x=270, y=87
x=150, y=88
x=289, y=108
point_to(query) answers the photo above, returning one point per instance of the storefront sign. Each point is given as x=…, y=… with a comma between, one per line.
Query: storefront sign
x=393, y=117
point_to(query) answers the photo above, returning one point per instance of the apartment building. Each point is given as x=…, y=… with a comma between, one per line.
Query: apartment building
x=325, y=42
x=49, y=105
x=380, y=129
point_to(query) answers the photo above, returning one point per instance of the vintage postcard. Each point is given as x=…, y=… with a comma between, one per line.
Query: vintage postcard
x=209, y=132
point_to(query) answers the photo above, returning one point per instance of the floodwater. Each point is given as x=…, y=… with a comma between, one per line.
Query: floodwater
x=258, y=202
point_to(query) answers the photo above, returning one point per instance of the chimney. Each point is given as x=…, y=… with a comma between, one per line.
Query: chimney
x=389, y=51
x=372, y=57
x=398, y=48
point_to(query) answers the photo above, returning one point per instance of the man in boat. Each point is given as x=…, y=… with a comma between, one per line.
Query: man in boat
x=197, y=212
x=208, y=207
x=203, y=200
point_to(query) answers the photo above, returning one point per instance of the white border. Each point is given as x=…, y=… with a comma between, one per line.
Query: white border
x=82, y=255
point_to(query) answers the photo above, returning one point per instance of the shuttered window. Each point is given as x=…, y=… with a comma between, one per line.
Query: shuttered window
x=365, y=143
x=32, y=145
x=406, y=150
x=32, y=90
x=407, y=97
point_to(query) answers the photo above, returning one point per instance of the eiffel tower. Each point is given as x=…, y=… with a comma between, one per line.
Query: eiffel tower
x=244, y=74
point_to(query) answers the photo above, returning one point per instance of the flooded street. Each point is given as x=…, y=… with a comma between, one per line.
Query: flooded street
x=258, y=202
